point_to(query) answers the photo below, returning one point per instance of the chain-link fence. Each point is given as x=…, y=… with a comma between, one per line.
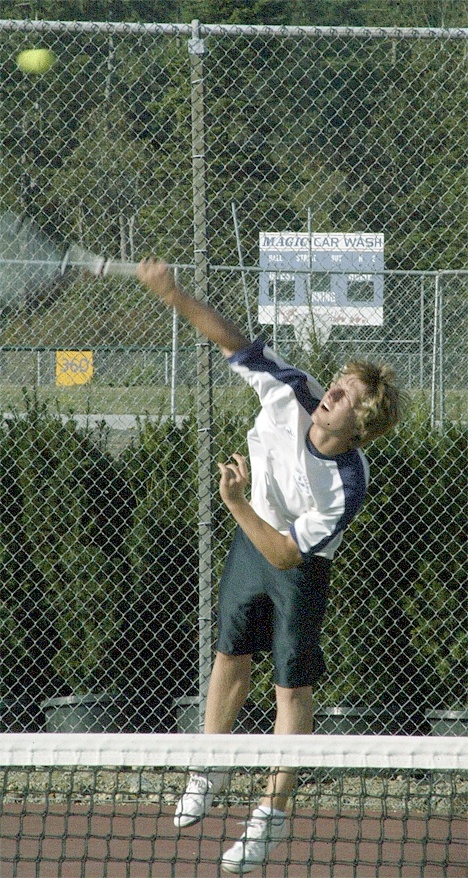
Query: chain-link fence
x=311, y=183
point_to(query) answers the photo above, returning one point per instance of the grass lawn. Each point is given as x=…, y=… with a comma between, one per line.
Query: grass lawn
x=140, y=400
x=94, y=399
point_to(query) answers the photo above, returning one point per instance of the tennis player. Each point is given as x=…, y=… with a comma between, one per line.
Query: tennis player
x=309, y=479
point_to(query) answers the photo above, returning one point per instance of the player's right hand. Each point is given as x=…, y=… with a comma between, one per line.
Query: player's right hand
x=159, y=278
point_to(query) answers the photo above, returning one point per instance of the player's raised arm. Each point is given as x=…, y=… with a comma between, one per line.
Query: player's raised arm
x=159, y=278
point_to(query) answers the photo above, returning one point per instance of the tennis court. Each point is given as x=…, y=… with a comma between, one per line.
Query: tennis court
x=129, y=842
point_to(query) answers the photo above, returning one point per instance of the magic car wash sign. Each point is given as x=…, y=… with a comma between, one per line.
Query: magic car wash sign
x=337, y=277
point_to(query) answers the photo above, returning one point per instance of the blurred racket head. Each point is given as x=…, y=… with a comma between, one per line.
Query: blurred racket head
x=34, y=269
x=30, y=263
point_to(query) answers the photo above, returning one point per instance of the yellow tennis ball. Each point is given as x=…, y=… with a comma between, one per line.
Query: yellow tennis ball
x=35, y=60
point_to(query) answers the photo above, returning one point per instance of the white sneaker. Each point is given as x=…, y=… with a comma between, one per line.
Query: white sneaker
x=262, y=835
x=198, y=797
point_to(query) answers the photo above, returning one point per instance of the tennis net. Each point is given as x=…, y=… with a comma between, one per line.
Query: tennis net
x=102, y=805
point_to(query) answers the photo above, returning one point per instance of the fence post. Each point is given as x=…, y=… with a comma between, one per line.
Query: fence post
x=421, y=336
x=434, y=350
x=196, y=49
x=174, y=356
x=241, y=266
x=441, y=358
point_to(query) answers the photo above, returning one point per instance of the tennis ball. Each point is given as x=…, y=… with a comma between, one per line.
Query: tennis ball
x=35, y=60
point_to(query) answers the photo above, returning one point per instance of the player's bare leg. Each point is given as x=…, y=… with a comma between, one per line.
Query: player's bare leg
x=228, y=689
x=294, y=717
x=268, y=823
x=229, y=685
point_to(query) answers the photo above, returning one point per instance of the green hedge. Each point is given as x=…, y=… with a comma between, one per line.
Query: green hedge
x=394, y=632
x=99, y=561
x=65, y=508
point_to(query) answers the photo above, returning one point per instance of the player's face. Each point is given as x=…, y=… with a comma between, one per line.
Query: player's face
x=336, y=413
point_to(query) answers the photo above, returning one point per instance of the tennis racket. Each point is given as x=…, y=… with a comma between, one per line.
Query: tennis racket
x=33, y=267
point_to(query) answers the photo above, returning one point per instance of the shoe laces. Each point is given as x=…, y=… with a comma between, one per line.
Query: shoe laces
x=258, y=827
x=197, y=784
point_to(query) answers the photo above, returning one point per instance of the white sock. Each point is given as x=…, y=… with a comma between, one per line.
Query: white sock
x=266, y=811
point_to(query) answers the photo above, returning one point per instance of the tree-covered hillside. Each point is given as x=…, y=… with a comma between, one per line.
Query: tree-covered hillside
x=352, y=13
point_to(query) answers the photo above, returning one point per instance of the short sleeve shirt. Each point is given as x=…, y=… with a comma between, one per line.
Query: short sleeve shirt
x=294, y=487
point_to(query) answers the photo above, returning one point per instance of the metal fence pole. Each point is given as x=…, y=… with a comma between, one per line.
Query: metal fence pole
x=421, y=336
x=435, y=336
x=241, y=266
x=204, y=377
x=174, y=356
x=441, y=358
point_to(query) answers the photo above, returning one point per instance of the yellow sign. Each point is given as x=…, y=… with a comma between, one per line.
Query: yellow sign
x=73, y=367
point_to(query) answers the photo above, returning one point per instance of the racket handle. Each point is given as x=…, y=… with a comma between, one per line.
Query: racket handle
x=86, y=260
x=118, y=269
x=96, y=264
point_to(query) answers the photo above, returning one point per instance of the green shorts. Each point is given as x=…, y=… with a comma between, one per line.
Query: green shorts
x=262, y=608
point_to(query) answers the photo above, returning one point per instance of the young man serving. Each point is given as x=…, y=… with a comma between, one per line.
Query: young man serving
x=308, y=481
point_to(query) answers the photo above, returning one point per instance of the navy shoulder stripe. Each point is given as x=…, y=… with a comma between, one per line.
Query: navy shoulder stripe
x=254, y=359
x=353, y=479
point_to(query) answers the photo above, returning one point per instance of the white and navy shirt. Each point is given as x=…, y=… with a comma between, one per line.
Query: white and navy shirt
x=294, y=487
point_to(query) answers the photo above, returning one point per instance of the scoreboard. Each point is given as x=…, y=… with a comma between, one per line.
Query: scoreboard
x=322, y=278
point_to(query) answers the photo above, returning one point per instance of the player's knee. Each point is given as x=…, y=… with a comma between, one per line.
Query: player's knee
x=288, y=697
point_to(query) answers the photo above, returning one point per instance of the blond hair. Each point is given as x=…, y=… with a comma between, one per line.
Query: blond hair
x=384, y=404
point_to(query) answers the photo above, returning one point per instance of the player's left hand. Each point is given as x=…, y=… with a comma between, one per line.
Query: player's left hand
x=234, y=479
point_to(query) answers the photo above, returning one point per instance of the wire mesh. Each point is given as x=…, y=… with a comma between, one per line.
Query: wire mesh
x=191, y=142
